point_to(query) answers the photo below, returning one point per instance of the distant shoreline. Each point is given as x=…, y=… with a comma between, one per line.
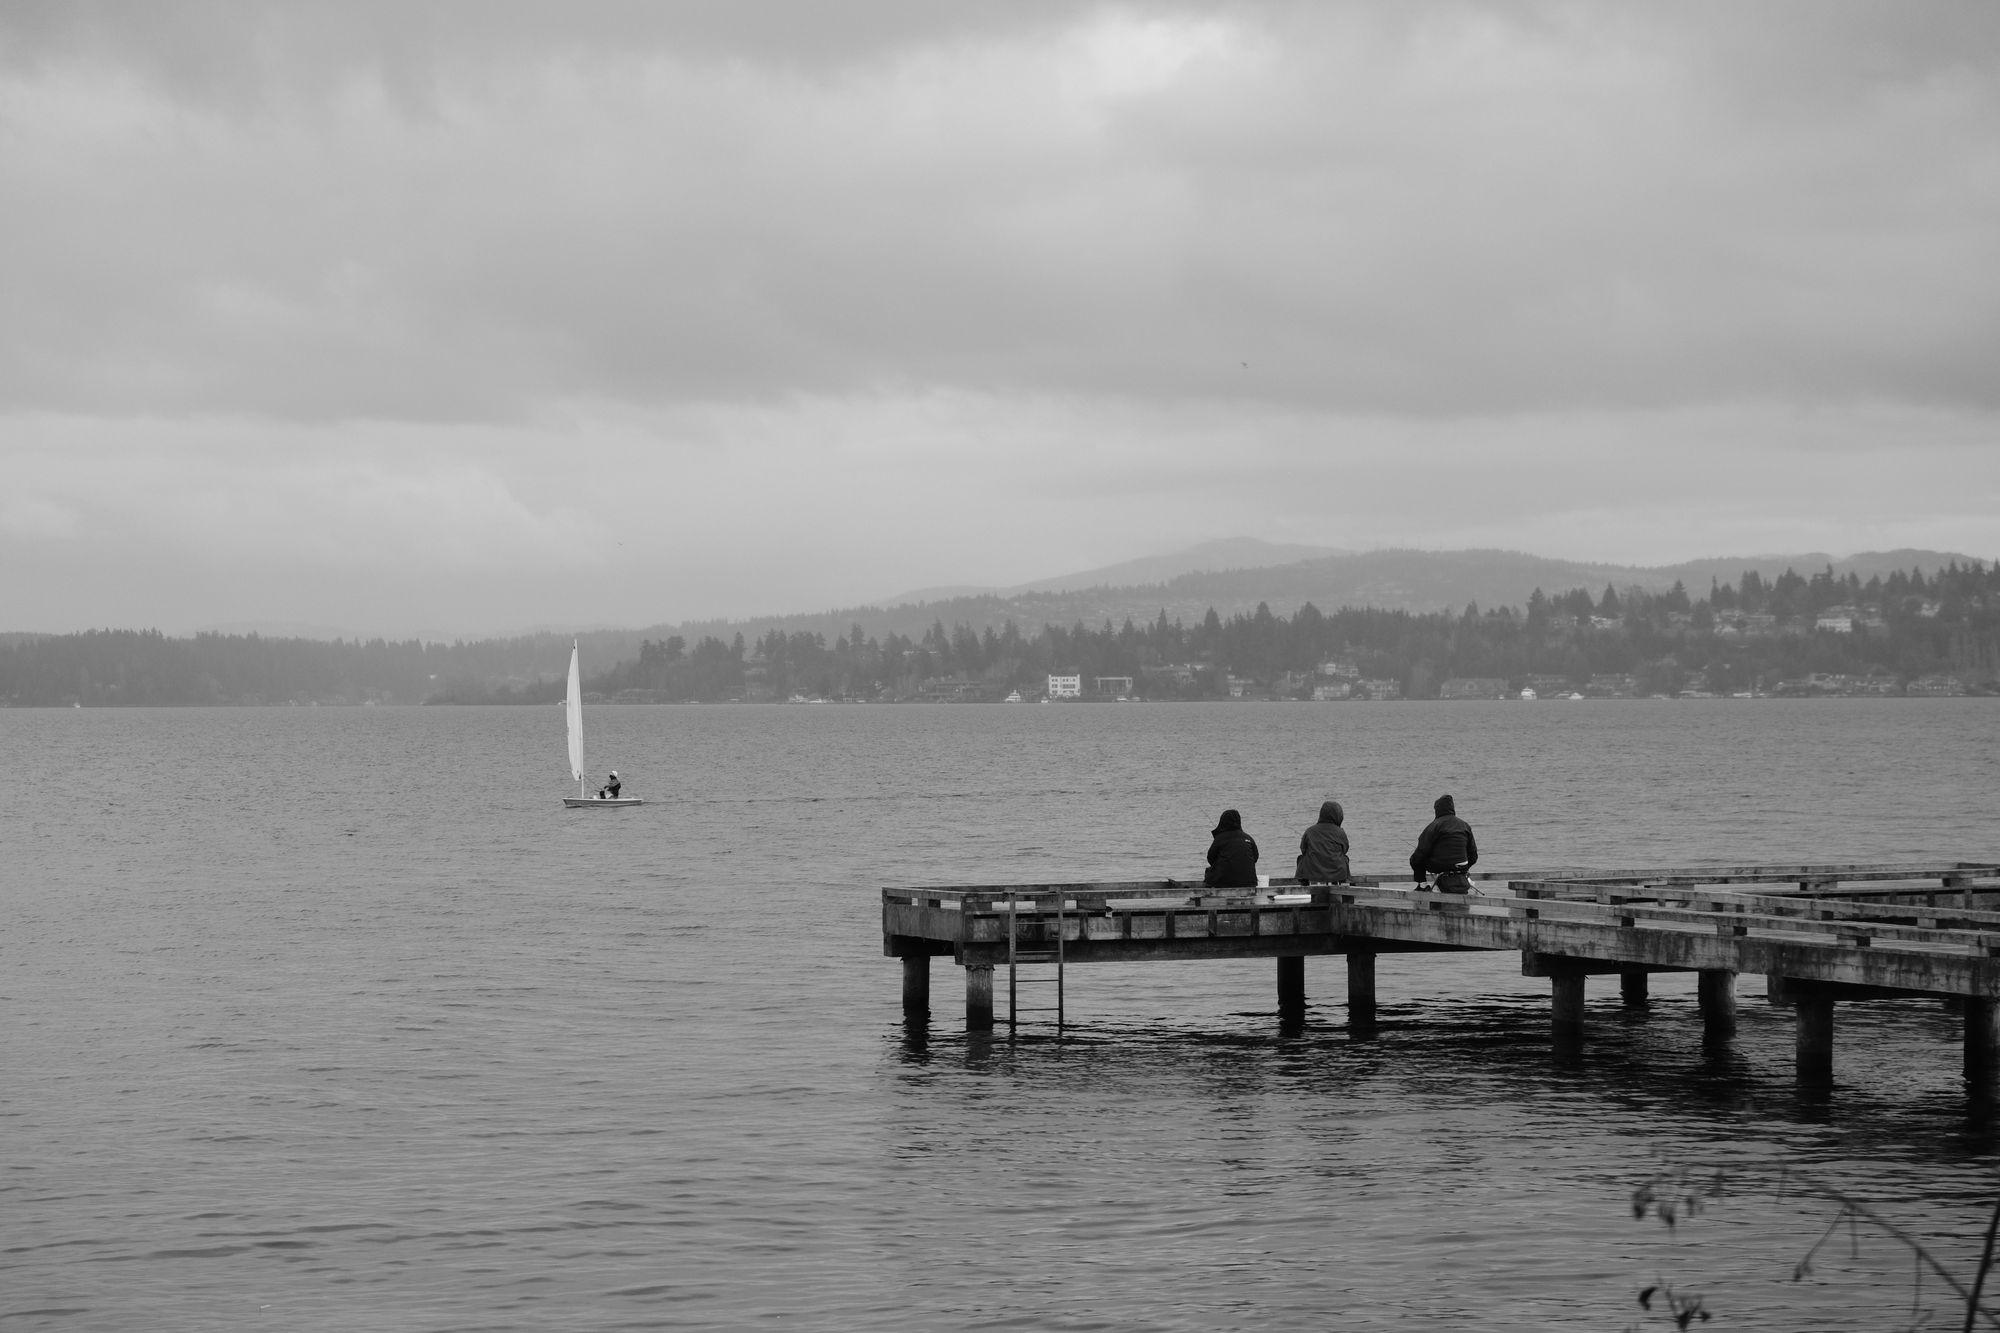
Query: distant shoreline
x=1823, y=635
x=996, y=703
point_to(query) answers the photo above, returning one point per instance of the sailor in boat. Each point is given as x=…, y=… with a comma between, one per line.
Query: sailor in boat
x=610, y=789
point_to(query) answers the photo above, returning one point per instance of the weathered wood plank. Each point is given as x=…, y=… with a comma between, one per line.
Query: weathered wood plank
x=1204, y=947
x=1820, y=909
x=1749, y=913
x=1835, y=871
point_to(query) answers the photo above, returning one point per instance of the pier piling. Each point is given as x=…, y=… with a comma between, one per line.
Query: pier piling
x=1291, y=981
x=1982, y=1037
x=1716, y=990
x=1814, y=1008
x=979, y=997
x=1360, y=988
x=917, y=984
x=1566, y=993
x=1632, y=987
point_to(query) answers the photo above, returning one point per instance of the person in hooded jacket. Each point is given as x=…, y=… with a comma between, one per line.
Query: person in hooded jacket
x=1445, y=848
x=1323, y=848
x=1232, y=856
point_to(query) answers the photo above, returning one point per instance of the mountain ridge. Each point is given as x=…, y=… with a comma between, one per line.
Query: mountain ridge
x=1393, y=579
x=1408, y=580
x=1225, y=553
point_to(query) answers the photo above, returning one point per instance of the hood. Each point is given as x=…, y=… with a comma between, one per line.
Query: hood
x=1331, y=813
x=1443, y=806
x=1231, y=822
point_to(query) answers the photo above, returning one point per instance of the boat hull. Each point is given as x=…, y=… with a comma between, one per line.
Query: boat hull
x=578, y=802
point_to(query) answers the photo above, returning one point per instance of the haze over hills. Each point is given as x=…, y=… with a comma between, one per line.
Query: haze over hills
x=1229, y=576
x=1209, y=557
x=1406, y=580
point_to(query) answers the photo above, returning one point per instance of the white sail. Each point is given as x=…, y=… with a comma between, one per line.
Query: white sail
x=575, y=711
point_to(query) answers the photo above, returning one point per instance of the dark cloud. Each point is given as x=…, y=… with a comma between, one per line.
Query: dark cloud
x=237, y=51
x=464, y=210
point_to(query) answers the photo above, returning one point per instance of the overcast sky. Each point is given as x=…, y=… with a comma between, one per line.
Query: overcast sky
x=465, y=317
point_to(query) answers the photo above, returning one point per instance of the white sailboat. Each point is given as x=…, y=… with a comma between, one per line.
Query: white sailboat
x=573, y=711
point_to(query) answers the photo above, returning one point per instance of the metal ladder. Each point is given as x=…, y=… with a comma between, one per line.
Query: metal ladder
x=1017, y=956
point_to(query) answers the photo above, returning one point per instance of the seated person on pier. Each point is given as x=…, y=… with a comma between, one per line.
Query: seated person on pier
x=1232, y=857
x=1323, y=848
x=611, y=788
x=1446, y=849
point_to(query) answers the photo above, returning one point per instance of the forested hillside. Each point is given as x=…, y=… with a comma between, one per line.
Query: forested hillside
x=1753, y=635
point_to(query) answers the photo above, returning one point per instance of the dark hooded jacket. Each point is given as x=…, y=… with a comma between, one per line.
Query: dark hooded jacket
x=1323, y=848
x=1232, y=857
x=1445, y=843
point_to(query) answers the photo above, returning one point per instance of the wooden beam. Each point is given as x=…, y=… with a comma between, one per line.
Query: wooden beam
x=1549, y=964
x=1742, y=913
x=1759, y=874
x=1924, y=917
x=908, y=946
x=1245, y=946
x=1780, y=990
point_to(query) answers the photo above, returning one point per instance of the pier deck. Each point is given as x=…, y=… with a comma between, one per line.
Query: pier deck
x=1819, y=933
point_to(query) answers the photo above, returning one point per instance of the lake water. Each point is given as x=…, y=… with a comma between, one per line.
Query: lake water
x=336, y=1019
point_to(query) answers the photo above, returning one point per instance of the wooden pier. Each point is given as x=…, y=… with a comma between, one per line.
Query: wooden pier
x=1820, y=934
